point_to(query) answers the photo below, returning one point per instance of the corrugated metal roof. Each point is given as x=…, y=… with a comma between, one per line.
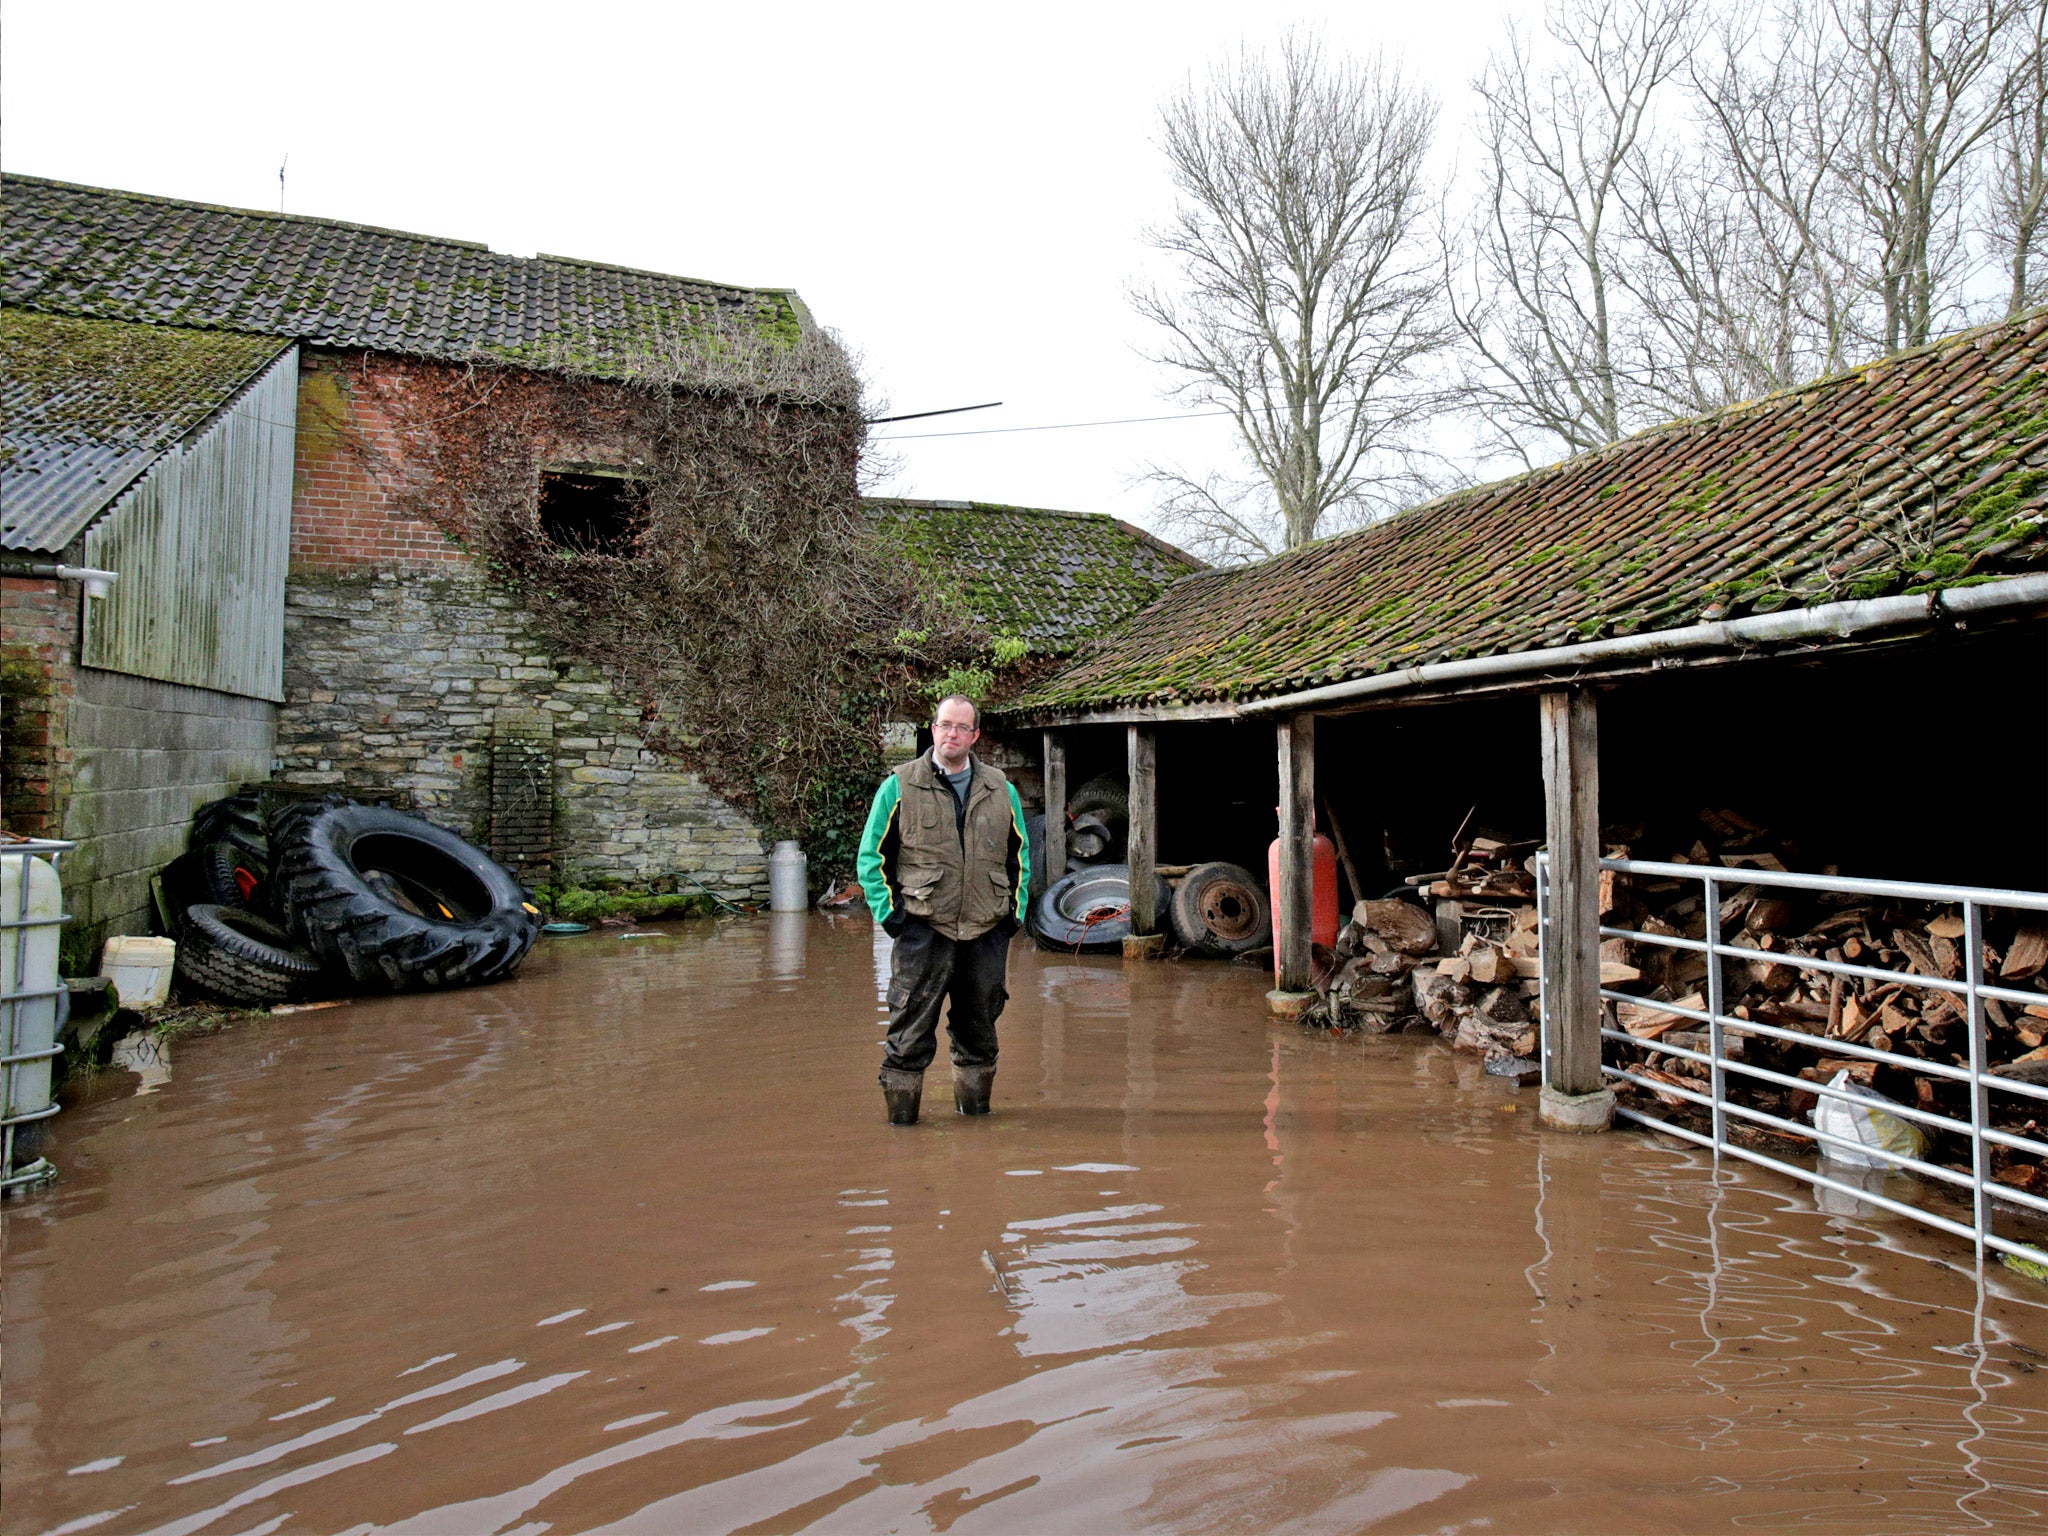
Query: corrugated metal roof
x=91, y=404
x=76, y=250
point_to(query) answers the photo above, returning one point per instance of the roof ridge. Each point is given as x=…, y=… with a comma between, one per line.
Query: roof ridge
x=250, y=213
x=388, y=231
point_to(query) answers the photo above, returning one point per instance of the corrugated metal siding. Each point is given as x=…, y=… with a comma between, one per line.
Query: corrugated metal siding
x=201, y=544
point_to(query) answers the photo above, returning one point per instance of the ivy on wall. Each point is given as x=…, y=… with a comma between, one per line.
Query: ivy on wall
x=746, y=602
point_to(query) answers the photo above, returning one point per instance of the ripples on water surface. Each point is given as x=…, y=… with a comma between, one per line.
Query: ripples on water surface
x=626, y=1246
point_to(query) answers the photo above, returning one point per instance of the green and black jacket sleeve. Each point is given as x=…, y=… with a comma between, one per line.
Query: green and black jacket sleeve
x=881, y=842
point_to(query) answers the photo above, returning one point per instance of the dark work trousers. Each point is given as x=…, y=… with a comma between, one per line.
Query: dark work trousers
x=925, y=970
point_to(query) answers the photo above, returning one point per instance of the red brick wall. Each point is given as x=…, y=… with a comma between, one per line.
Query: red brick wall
x=38, y=684
x=345, y=494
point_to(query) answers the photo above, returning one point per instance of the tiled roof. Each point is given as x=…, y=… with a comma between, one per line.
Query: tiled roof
x=91, y=404
x=1928, y=469
x=75, y=250
x=1050, y=579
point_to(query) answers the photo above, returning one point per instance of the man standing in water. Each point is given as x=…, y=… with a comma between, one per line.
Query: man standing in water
x=946, y=868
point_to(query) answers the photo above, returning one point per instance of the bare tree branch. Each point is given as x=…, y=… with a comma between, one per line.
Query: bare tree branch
x=1303, y=303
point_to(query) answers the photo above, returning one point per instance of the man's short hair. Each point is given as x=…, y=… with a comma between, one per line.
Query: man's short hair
x=958, y=698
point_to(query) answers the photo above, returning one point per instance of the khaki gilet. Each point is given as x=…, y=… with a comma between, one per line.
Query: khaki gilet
x=957, y=879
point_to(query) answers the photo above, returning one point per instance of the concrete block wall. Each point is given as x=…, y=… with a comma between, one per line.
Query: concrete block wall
x=399, y=682
x=146, y=755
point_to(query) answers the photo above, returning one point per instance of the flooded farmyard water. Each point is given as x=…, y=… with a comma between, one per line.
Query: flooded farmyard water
x=626, y=1246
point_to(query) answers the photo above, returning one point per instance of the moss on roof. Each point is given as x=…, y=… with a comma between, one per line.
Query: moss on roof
x=89, y=404
x=1923, y=470
x=100, y=381
x=1050, y=579
x=93, y=251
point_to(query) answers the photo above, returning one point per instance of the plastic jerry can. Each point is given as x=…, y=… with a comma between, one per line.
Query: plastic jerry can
x=140, y=969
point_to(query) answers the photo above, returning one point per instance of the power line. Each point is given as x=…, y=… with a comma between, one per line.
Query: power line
x=951, y=410
x=1059, y=426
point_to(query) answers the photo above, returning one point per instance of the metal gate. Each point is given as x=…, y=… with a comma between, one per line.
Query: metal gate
x=1988, y=1092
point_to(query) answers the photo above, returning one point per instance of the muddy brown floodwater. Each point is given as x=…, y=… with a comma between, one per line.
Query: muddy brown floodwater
x=625, y=1245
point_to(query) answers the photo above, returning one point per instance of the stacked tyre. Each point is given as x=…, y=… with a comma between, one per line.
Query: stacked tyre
x=395, y=903
x=330, y=895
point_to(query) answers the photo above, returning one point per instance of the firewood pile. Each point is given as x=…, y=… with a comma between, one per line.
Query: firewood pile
x=1912, y=938
x=1467, y=969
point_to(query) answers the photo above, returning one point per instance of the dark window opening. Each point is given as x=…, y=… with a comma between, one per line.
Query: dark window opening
x=590, y=514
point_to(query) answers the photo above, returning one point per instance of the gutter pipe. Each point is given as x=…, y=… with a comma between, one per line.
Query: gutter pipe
x=1837, y=619
x=97, y=583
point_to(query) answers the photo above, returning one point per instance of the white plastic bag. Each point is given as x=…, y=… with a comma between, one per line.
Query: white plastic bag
x=1862, y=1121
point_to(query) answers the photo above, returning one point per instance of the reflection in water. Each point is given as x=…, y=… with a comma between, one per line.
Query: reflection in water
x=788, y=933
x=626, y=1247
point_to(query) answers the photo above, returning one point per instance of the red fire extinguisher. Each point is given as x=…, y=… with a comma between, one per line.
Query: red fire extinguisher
x=1323, y=923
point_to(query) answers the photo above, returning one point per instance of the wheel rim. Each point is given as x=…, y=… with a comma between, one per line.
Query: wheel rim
x=1229, y=911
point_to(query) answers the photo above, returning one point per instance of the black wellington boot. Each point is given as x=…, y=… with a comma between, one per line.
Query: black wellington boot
x=971, y=1088
x=901, y=1092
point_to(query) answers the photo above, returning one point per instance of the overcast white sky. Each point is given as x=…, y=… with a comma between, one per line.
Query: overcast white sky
x=960, y=191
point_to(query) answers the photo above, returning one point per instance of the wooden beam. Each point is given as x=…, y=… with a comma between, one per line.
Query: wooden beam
x=1055, y=807
x=1571, y=947
x=1297, y=893
x=1124, y=714
x=1143, y=838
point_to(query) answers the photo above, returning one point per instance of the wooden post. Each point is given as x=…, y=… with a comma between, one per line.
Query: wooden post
x=1575, y=1097
x=1297, y=894
x=1143, y=838
x=1055, y=808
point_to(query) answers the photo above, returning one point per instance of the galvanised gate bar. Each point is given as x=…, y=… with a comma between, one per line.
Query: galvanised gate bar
x=1989, y=1092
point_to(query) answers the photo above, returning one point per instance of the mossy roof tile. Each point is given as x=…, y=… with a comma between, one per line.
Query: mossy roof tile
x=1925, y=469
x=1048, y=578
x=92, y=251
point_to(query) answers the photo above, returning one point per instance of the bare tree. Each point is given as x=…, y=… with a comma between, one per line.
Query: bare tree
x=1303, y=302
x=1777, y=130
x=1540, y=302
x=2019, y=197
x=1928, y=93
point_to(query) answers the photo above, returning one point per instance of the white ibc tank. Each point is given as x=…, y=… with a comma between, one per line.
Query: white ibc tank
x=32, y=902
x=788, y=879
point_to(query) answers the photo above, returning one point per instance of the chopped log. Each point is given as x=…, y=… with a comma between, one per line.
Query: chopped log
x=1490, y=966
x=1613, y=975
x=1919, y=957
x=1769, y=861
x=1835, y=1006
x=2029, y=950
x=1772, y=976
x=1946, y=927
x=1770, y=914
x=1401, y=923
x=1646, y=1021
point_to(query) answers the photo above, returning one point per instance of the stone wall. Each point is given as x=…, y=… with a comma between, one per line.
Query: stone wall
x=432, y=688
x=145, y=756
